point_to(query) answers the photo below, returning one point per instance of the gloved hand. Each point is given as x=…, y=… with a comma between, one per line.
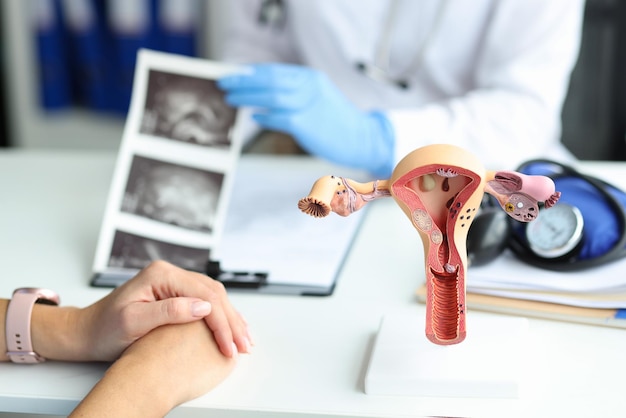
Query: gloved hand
x=305, y=104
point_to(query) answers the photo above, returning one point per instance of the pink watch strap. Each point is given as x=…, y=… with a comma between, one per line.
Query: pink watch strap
x=18, y=339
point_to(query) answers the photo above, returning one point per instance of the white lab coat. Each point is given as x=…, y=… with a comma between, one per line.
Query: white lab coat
x=492, y=78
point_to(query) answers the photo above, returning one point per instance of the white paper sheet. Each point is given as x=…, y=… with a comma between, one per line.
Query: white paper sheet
x=265, y=230
x=508, y=276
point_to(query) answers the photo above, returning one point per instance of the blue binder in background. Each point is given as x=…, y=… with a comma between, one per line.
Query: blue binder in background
x=89, y=53
x=177, y=24
x=132, y=27
x=87, y=49
x=54, y=77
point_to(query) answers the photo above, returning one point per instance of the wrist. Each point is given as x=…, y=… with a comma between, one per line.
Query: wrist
x=119, y=394
x=56, y=334
x=152, y=368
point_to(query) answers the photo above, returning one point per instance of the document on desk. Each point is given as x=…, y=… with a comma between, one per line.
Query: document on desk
x=507, y=285
x=266, y=232
x=173, y=195
x=598, y=287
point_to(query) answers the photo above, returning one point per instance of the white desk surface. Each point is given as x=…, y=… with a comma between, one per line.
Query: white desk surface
x=311, y=353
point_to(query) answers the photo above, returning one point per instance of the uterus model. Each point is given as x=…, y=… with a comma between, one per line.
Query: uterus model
x=439, y=188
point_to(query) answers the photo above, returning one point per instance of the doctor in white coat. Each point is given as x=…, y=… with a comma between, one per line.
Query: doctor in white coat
x=363, y=83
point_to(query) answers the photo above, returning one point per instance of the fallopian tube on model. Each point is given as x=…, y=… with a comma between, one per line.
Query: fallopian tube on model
x=439, y=188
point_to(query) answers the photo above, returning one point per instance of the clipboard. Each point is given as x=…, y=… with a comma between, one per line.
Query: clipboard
x=268, y=245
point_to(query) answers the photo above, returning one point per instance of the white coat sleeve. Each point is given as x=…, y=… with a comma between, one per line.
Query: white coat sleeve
x=513, y=111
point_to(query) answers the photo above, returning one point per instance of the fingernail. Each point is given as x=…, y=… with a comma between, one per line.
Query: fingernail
x=249, y=336
x=200, y=308
x=248, y=346
x=235, y=350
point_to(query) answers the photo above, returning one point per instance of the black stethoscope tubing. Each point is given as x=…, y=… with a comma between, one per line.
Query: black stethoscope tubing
x=618, y=250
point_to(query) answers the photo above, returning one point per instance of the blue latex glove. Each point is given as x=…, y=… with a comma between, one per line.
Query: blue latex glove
x=304, y=103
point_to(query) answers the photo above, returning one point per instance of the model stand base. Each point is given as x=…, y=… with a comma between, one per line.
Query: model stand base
x=488, y=364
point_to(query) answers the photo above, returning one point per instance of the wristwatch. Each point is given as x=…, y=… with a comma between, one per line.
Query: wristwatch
x=19, y=344
x=557, y=232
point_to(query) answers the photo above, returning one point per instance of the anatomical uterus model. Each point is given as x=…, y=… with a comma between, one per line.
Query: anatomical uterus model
x=439, y=188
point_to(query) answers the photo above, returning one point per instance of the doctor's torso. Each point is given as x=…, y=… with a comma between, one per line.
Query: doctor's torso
x=433, y=44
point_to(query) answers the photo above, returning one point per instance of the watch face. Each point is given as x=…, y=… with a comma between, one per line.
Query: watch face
x=556, y=231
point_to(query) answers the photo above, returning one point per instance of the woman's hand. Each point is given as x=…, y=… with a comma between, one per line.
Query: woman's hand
x=170, y=365
x=160, y=294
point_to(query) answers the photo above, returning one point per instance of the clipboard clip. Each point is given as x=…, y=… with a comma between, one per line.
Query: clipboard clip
x=236, y=279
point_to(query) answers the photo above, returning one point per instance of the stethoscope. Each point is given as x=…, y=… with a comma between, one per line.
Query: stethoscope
x=272, y=13
x=378, y=69
x=612, y=197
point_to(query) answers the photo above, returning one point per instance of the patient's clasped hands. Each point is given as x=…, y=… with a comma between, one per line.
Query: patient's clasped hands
x=171, y=334
x=160, y=294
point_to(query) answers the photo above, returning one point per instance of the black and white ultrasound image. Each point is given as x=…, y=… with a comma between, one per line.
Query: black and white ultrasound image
x=187, y=109
x=136, y=252
x=177, y=195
